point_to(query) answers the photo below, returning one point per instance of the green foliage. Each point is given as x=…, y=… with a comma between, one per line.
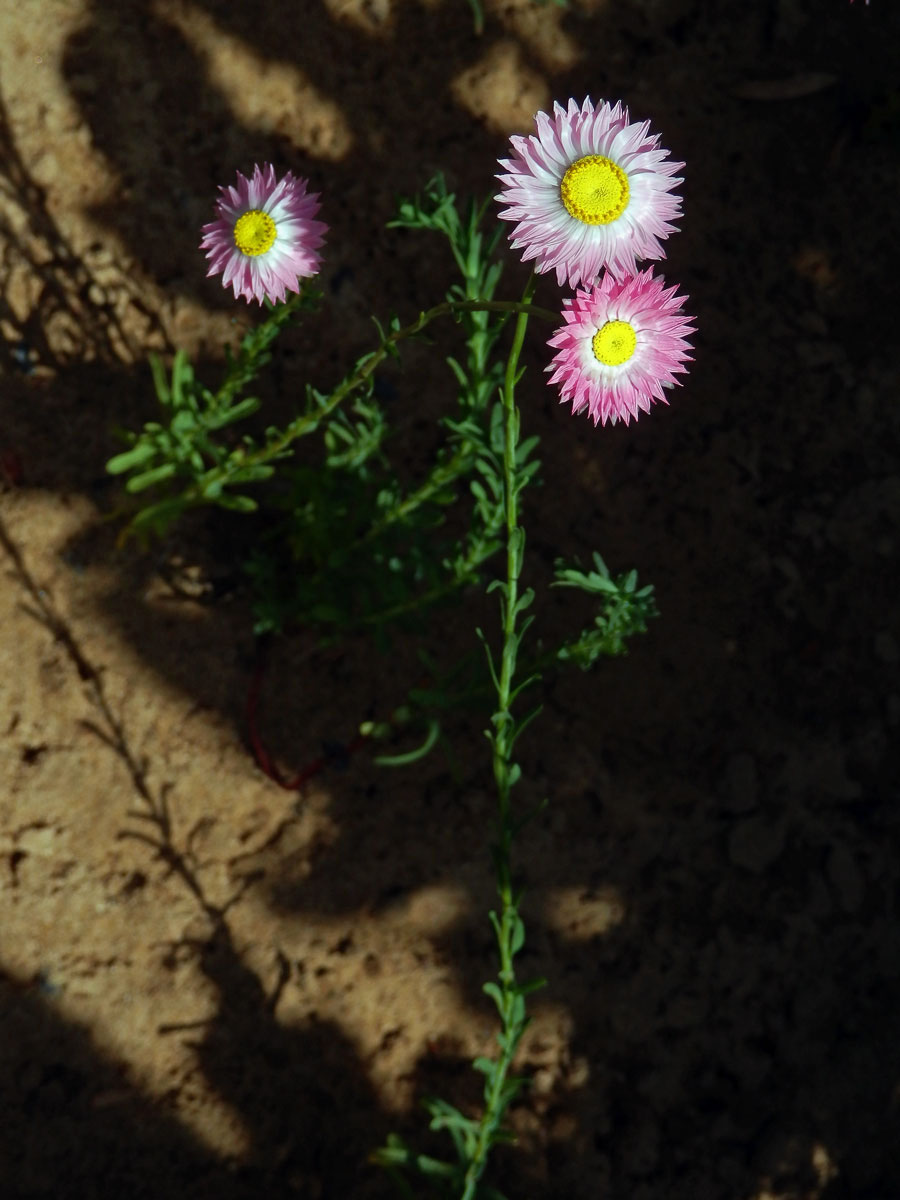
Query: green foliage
x=625, y=610
x=184, y=452
x=341, y=545
x=364, y=552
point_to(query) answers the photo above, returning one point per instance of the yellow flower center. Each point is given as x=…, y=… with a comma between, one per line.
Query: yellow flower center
x=254, y=232
x=594, y=190
x=614, y=343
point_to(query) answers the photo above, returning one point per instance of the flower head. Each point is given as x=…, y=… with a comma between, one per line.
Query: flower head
x=621, y=347
x=589, y=191
x=264, y=237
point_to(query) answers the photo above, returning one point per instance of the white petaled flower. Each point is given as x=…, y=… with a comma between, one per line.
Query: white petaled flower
x=589, y=191
x=265, y=237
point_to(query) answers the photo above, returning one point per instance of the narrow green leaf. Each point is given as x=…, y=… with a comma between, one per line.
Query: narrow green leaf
x=461, y=377
x=518, y=1004
x=533, y=985
x=129, y=459
x=146, y=479
x=237, y=412
x=524, y=449
x=182, y=377
x=251, y=474
x=491, y=989
x=433, y=1166
x=524, y=600
x=403, y=760
x=518, y=935
x=160, y=382
x=241, y=504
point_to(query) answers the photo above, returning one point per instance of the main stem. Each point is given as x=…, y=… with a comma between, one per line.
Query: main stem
x=504, y=733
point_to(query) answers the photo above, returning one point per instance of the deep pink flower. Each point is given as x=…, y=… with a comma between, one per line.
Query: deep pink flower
x=589, y=191
x=621, y=347
x=264, y=238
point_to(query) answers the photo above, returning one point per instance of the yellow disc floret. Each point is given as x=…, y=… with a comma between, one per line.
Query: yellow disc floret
x=594, y=190
x=254, y=232
x=614, y=343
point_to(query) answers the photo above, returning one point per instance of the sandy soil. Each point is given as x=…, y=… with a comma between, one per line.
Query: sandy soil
x=210, y=986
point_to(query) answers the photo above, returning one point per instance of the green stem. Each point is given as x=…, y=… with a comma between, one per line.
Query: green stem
x=442, y=475
x=212, y=481
x=479, y=343
x=308, y=422
x=512, y=1018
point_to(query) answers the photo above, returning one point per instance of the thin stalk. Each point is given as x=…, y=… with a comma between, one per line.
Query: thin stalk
x=443, y=474
x=240, y=460
x=479, y=345
x=512, y=1019
x=308, y=422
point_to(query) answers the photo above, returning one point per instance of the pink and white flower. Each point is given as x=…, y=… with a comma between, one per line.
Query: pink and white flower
x=621, y=348
x=265, y=238
x=589, y=191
